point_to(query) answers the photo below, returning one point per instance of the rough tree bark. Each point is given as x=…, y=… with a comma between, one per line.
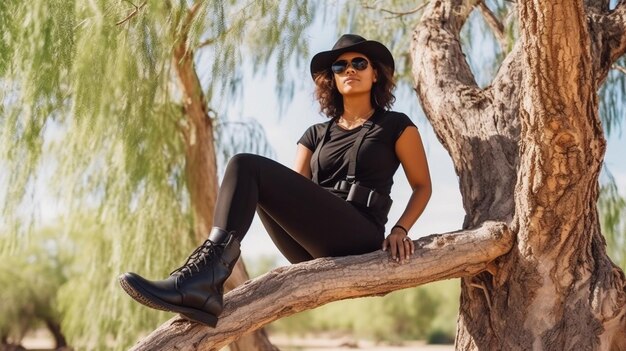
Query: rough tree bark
x=201, y=164
x=556, y=289
x=527, y=150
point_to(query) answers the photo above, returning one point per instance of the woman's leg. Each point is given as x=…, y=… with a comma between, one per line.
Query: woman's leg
x=320, y=222
x=306, y=222
x=288, y=246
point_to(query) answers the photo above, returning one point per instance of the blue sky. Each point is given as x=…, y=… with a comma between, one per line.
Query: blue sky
x=444, y=212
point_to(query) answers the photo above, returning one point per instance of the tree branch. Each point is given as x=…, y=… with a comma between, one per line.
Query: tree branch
x=191, y=13
x=464, y=116
x=494, y=23
x=618, y=17
x=439, y=65
x=132, y=14
x=288, y=290
x=619, y=68
x=396, y=14
x=597, y=5
x=607, y=30
x=211, y=41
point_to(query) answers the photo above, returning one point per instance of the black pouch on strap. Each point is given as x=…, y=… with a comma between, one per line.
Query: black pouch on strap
x=364, y=196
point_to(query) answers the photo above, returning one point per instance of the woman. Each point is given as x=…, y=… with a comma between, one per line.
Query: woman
x=334, y=204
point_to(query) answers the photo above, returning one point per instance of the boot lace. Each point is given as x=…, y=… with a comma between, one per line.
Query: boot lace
x=198, y=259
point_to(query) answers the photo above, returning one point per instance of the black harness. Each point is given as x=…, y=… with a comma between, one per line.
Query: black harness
x=357, y=194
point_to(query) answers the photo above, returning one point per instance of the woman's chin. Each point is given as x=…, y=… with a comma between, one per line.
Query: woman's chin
x=353, y=91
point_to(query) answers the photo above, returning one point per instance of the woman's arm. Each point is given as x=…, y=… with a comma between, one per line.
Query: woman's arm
x=302, y=163
x=410, y=152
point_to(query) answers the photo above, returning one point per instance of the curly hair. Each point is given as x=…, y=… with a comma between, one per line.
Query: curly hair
x=331, y=101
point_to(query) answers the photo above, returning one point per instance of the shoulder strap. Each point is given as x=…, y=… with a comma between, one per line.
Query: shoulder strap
x=315, y=165
x=354, y=151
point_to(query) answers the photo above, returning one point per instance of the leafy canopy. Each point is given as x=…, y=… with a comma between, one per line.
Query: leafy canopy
x=90, y=127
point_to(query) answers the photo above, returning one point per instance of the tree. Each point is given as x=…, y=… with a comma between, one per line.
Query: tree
x=528, y=149
x=30, y=283
x=106, y=99
x=567, y=293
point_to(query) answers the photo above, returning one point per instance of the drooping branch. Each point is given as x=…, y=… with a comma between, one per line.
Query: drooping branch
x=287, y=290
x=132, y=14
x=396, y=14
x=211, y=41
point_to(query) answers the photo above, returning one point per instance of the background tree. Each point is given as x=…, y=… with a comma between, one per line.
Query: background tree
x=30, y=283
x=528, y=150
x=106, y=105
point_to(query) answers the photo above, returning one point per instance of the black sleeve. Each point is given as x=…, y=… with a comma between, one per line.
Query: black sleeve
x=402, y=122
x=310, y=137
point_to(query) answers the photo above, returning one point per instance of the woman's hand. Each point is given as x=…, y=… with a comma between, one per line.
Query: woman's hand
x=400, y=245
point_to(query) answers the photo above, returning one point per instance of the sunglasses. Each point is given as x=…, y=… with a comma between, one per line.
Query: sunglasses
x=358, y=63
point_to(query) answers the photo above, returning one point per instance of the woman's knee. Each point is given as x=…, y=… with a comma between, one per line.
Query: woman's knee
x=243, y=162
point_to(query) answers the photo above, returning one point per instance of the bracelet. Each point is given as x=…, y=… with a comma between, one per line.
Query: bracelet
x=401, y=227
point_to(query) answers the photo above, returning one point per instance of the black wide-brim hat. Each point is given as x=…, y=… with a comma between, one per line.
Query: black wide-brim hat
x=352, y=43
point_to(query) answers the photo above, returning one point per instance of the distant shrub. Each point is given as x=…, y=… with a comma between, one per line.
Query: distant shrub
x=439, y=336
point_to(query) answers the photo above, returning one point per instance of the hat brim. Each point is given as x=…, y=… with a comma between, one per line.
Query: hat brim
x=370, y=48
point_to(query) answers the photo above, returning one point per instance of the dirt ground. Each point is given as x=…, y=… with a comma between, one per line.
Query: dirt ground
x=42, y=341
x=318, y=343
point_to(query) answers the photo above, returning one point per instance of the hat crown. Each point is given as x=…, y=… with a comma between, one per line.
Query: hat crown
x=374, y=51
x=348, y=40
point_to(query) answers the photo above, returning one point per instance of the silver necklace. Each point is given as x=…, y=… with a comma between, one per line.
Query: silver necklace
x=360, y=120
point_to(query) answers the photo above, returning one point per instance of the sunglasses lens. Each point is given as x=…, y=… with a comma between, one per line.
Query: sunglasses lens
x=339, y=66
x=359, y=63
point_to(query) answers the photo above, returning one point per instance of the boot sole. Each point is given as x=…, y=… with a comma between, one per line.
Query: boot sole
x=145, y=298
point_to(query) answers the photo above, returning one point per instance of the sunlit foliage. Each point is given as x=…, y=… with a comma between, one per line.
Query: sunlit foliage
x=90, y=131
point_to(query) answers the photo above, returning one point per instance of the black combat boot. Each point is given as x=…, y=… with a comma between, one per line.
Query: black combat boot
x=194, y=290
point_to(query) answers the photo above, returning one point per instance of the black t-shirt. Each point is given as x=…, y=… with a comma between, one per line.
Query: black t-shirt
x=376, y=161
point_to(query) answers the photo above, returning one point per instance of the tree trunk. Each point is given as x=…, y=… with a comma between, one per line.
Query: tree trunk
x=201, y=167
x=55, y=330
x=556, y=289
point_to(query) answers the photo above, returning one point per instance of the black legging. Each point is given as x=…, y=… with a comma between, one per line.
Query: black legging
x=304, y=220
